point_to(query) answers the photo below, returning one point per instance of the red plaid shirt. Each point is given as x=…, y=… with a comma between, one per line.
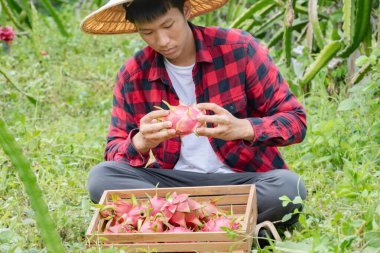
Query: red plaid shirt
x=231, y=70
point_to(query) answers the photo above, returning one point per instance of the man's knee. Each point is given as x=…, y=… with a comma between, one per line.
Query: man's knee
x=272, y=187
x=283, y=182
x=292, y=184
x=94, y=188
x=112, y=175
x=96, y=181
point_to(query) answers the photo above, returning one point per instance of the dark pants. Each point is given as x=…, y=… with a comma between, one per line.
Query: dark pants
x=270, y=186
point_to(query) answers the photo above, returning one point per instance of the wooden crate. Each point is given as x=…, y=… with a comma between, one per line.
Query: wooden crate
x=241, y=199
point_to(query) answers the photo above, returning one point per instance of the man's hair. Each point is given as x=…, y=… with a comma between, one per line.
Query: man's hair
x=147, y=10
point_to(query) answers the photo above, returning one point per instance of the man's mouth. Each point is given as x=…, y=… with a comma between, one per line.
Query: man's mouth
x=168, y=51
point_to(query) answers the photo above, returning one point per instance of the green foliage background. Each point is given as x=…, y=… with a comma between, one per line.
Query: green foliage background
x=63, y=134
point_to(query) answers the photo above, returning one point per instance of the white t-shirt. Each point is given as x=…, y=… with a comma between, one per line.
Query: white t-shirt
x=196, y=153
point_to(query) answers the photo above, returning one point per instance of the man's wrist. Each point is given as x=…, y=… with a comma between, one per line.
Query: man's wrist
x=247, y=130
x=138, y=143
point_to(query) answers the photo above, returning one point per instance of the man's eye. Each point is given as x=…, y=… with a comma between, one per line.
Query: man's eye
x=168, y=26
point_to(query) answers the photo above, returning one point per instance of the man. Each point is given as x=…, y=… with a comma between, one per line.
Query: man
x=228, y=74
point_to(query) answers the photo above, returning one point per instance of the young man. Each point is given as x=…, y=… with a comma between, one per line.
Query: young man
x=226, y=72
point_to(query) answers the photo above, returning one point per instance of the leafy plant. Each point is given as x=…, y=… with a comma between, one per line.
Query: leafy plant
x=44, y=221
x=303, y=24
x=20, y=13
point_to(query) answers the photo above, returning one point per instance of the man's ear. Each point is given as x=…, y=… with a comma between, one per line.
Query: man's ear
x=187, y=9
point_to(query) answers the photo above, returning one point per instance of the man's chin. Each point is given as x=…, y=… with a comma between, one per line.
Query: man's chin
x=171, y=58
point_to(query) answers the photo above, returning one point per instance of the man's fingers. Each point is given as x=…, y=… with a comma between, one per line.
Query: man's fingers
x=210, y=132
x=154, y=115
x=155, y=127
x=215, y=119
x=212, y=107
x=161, y=135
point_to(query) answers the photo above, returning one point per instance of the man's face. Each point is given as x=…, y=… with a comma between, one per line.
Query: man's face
x=167, y=35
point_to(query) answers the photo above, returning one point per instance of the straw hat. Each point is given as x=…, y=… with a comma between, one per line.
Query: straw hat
x=110, y=18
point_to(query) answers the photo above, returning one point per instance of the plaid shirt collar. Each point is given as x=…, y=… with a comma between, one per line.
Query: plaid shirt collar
x=158, y=71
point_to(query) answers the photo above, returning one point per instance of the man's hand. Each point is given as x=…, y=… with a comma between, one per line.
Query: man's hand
x=152, y=131
x=226, y=126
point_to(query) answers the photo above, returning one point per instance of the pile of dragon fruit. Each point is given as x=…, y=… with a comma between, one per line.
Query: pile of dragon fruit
x=175, y=213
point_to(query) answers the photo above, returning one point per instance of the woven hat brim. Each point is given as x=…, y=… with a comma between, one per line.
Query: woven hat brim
x=110, y=19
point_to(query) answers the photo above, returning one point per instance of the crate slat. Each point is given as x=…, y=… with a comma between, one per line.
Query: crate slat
x=168, y=237
x=219, y=247
x=95, y=219
x=236, y=209
x=220, y=199
x=204, y=190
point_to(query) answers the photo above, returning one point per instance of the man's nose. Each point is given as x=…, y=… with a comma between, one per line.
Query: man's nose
x=162, y=39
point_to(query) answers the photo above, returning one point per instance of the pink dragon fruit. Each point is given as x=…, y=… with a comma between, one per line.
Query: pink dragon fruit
x=193, y=221
x=107, y=211
x=177, y=209
x=215, y=225
x=121, y=207
x=117, y=209
x=172, y=202
x=134, y=215
x=178, y=218
x=151, y=226
x=207, y=211
x=156, y=203
x=127, y=212
x=7, y=34
x=180, y=210
x=183, y=118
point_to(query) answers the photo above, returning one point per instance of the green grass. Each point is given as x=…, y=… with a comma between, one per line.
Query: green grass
x=63, y=136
